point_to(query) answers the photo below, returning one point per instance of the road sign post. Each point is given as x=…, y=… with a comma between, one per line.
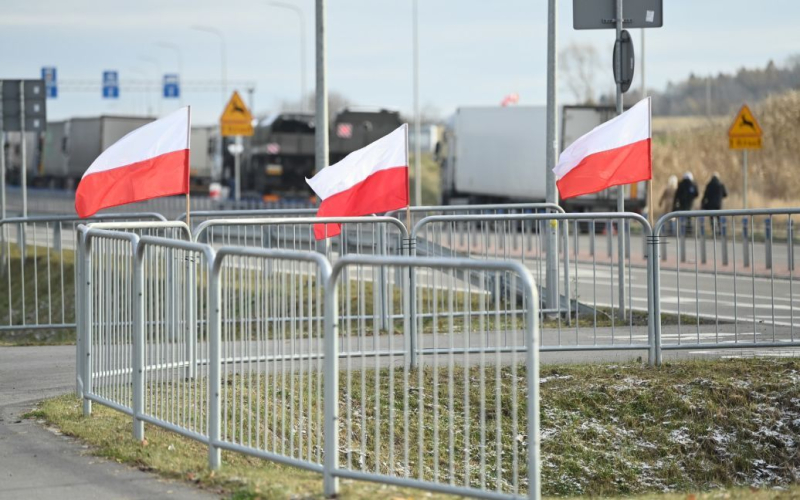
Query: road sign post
x=236, y=121
x=744, y=133
x=172, y=89
x=610, y=14
x=110, y=85
x=50, y=82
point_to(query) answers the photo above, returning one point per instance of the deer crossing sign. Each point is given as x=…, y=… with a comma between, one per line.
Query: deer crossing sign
x=745, y=132
x=236, y=119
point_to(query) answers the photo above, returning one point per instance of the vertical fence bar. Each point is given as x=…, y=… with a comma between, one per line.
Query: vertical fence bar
x=684, y=223
x=745, y=244
x=768, y=242
x=790, y=244
x=137, y=365
x=724, y=240
x=331, y=401
x=215, y=364
x=86, y=358
x=702, y=222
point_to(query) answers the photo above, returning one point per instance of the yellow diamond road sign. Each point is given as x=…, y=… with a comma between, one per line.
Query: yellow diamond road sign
x=745, y=132
x=236, y=119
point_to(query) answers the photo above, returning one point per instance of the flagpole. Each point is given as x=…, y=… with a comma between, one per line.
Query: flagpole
x=408, y=187
x=650, y=200
x=188, y=166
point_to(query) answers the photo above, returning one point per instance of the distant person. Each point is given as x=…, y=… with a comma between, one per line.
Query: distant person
x=686, y=193
x=714, y=193
x=712, y=198
x=665, y=203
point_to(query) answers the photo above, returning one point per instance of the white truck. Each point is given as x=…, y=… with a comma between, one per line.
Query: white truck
x=70, y=146
x=497, y=155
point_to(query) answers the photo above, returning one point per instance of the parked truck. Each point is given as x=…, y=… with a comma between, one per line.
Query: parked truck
x=281, y=151
x=498, y=155
x=70, y=146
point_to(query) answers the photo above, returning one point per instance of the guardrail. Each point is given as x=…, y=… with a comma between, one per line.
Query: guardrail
x=271, y=389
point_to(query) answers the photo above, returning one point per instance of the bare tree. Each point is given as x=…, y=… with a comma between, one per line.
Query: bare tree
x=336, y=102
x=579, y=66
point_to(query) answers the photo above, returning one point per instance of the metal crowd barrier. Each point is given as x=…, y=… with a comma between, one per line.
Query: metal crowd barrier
x=177, y=337
x=725, y=279
x=37, y=269
x=601, y=303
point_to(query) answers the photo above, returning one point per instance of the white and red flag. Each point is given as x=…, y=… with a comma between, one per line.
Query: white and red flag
x=373, y=179
x=614, y=153
x=150, y=162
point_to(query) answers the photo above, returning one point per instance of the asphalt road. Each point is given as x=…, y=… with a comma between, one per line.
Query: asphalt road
x=39, y=463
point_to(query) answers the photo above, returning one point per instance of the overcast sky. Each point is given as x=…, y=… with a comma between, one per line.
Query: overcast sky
x=471, y=52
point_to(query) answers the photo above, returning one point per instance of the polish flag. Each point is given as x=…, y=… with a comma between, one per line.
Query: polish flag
x=150, y=162
x=371, y=180
x=614, y=153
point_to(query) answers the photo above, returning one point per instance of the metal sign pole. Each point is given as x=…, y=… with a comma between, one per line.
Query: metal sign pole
x=551, y=266
x=2, y=159
x=620, y=189
x=237, y=169
x=744, y=179
x=24, y=168
x=321, y=113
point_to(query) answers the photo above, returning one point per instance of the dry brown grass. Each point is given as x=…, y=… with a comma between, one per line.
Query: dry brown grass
x=702, y=148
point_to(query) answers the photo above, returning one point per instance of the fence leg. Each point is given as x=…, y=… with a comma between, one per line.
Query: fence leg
x=567, y=291
x=214, y=369
x=745, y=243
x=87, y=328
x=682, y=235
x=653, y=298
x=191, y=319
x=80, y=290
x=411, y=293
x=330, y=482
x=702, y=222
x=724, y=237
x=790, y=245
x=137, y=366
x=768, y=242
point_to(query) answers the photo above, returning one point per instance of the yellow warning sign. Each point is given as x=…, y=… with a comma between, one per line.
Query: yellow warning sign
x=745, y=132
x=236, y=119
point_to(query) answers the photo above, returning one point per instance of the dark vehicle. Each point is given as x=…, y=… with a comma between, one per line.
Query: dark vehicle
x=354, y=128
x=281, y=155
x=281, y=152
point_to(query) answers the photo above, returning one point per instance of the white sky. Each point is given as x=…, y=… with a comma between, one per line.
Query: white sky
x=471, y=52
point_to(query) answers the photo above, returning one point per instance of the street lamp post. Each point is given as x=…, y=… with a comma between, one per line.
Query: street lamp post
x=302, y=19
x=157, y=66
x=223, y=55
x=177, y=50
x=417, y=134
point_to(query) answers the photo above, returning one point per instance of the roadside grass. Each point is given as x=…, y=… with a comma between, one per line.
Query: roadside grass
x=606, y=430
x=31, y=293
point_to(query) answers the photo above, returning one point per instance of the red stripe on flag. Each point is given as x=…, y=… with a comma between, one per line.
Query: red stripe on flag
x=164, y=175
x=382, y=191
x=625, y=165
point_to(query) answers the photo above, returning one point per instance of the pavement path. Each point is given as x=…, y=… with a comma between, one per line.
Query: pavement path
x=39, y=463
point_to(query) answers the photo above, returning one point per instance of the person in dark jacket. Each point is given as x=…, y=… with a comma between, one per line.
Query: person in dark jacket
x=714, y=193
x=686, y=193
x=712, y=199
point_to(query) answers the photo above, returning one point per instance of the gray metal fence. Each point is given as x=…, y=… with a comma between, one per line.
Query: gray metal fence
x=37, y=269
x=259, y=351
x=602, y=304
x=727, y=277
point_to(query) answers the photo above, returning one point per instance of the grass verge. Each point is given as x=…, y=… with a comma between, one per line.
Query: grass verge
x=607, y=430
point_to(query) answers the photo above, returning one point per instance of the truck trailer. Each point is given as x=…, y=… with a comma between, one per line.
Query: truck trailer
x=70, y=146
x=498, y=155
